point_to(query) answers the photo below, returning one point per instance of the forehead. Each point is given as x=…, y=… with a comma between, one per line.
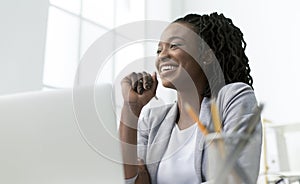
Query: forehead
x=178, y=30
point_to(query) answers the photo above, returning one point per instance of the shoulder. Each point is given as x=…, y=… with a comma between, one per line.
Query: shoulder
x=235, y=91
x=236, y=88
x=236, y=96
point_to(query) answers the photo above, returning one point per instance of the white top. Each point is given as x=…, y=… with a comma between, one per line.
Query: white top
x=177, y=165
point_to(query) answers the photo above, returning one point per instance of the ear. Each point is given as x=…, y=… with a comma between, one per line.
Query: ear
x=208, y=56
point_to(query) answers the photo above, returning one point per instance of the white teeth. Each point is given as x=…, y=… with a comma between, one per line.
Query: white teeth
x=166, y=68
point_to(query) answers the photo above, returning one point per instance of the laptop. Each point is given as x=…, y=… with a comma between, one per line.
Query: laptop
x=60, y=137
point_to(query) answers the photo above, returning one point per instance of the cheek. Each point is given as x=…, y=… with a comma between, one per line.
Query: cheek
x=188, y=61
x=156, y=64
x=192, y=66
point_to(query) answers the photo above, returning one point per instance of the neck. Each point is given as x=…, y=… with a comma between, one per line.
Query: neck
x=191, y=98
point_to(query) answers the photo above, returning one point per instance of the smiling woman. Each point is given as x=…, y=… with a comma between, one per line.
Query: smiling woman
x=203, y=58
x=176, y=58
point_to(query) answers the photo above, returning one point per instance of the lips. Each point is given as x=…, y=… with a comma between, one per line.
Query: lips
x=166, y=67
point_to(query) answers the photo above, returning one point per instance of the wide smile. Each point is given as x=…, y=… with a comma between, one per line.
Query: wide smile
x=166, y=68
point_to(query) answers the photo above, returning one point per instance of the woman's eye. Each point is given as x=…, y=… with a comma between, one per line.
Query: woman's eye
x=158, y=51
x=174, y=45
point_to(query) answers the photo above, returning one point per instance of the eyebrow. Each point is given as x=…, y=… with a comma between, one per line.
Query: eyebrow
x=171, y=39
x=176, y=37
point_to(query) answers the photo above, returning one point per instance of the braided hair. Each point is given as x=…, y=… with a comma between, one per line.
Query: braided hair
x=227, y=43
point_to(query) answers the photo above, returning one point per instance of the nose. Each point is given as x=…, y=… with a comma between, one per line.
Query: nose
x=163, y=55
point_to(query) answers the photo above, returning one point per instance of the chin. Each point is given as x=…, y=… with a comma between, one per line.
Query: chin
x=168, y=84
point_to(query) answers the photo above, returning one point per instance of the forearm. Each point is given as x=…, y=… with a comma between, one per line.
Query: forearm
x=128, y=136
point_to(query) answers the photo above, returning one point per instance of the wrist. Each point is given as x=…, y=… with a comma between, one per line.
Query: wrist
x=133, y=107
x=130, y=114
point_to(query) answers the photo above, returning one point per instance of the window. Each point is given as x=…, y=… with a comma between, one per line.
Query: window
x=73, y=25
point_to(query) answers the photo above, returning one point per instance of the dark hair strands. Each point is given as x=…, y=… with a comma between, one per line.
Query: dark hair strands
x=227, y=42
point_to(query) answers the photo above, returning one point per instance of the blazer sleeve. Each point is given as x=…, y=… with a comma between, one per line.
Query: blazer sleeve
x=142, y=138
x=143, y=134
x=237, y=104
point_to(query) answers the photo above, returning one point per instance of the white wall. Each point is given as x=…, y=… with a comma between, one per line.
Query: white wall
x=271, y=30
x=270, y=27
x=22, y=35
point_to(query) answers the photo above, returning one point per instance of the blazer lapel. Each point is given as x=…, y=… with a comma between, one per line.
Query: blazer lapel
x=200, y=163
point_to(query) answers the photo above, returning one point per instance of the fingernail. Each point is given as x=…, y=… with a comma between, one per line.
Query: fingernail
x=140, y=90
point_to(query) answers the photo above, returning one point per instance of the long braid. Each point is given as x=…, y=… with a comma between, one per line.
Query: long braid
x=226, y=41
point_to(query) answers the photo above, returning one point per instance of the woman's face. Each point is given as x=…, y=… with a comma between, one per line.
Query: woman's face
x=175, y=57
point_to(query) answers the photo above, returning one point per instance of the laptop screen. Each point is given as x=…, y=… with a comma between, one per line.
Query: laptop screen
x=59, y=137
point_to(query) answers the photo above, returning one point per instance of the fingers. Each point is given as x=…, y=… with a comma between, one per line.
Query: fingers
x=140, y=82
x=140, y=87
x=154, y=81
x=147, y=81
x=133, y=77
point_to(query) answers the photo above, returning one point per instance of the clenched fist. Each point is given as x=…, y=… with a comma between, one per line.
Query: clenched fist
x=139, y=88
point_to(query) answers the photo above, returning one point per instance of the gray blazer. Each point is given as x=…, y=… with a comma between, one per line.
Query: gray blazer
x=235, y=102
